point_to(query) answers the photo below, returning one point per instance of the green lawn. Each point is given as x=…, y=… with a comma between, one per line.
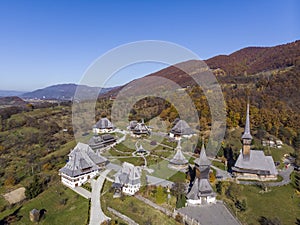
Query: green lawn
x=218, y=164
x=178, y=177
x=137, y=161
x=3, y=203
x=280, y=202
x=126, y=147
x=113, y=152
x=277, y=153
x=162, y=170
x=57, y=212
x=135, y=209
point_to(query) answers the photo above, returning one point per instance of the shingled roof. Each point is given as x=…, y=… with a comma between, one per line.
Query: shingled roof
x=257, y=163
x=247, y=134
x=179, y=158
x=200, y=188
x=181, y=127
x=129, y=174
x=103, y=123
x=202, y=160
x=210, y=214
x=101, y=141
x=82, y=160
x=139, y=148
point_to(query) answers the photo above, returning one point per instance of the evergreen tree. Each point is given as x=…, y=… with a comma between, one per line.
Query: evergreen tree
x=160, y=195
x=34, y=188
x=296, y=141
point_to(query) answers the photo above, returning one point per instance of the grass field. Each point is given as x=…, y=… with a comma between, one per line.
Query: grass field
x=135, y=209
x=62, y=204
x=280, y=202
x=218, y=164
x=178, y=177
x=162, y=170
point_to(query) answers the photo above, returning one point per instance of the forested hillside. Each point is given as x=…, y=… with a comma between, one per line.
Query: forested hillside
x=35, y=140
x=270, y=77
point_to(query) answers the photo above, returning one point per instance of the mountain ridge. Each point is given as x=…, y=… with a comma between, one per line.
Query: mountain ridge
x=8, y=93
x=62, y=92
x=252, y=60
x=246, y=61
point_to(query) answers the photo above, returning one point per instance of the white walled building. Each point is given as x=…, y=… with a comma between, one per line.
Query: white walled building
x=128, y=178
x=103, y=126
x=83, y=164
x=181, y=129
x=139, y=129
x=178, y=162
x=201, y=191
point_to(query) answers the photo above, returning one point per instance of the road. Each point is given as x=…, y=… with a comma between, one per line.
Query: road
x=97, y=216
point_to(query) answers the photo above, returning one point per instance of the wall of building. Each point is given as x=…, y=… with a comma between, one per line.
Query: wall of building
x=131, y=189
x=101, y=131
x=80, y=180
x=250, y=176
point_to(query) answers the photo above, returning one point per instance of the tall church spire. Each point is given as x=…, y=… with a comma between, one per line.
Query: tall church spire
x=202, y=160
x=247, y=134
x=247, y=137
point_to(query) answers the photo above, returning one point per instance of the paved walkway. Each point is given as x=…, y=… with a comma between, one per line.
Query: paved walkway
x=122, y=216
x=83, y=192
x=97, y=216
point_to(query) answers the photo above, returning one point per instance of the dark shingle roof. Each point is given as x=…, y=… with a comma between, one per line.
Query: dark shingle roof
x=202, y=160
x=129, y=174
x=82, y=159
x=103, y=123
x=200, y=188
x=179, y=158
x=182, y=128
x=256, y=162
x=247, y=134
x=97, y=142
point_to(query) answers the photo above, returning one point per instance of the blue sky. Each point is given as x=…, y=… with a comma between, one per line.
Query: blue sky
x=50, y=42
